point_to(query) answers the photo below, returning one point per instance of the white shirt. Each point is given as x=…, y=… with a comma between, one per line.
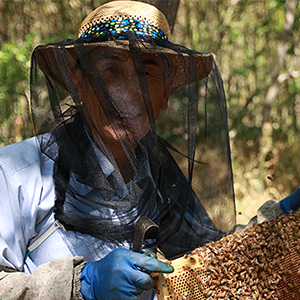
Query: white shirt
x=27, y=195
x=27, y=199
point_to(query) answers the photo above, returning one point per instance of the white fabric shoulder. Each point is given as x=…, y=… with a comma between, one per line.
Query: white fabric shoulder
x=21, y=155
x=26, y=198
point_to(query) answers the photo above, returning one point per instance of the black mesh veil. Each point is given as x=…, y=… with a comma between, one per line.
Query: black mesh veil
x=135, y=127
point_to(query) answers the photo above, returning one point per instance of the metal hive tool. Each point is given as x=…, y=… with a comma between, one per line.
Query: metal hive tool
x=261, y=262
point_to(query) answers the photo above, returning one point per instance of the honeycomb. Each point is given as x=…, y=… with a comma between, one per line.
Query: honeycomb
x=261, y=262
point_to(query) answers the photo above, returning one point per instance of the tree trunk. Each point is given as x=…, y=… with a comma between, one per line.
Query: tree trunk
x=281, y=52
x=272, y=92
x=168, y=7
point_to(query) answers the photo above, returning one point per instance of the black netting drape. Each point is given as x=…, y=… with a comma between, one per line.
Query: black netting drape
x=135, y=127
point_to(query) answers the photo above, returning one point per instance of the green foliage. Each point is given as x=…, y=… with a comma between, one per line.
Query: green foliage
x=244, y=36
x=14, y=88
x=26, y=24
x=14, y=67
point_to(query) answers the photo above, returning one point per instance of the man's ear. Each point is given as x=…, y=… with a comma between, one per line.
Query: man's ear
x=168, y=87
x=77, y=77
x=79, y=83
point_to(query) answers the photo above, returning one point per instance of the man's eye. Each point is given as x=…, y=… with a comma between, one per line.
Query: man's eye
x=110, y=69
x=143, y=73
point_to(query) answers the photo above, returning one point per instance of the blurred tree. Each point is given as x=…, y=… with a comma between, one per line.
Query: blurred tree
x=254, y=43
x=256, y=46
x=25, y=25
x=265, y=147
x=14, y=90
x=168, y=7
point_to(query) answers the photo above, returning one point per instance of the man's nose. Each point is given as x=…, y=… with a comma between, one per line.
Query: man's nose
x=132, y=90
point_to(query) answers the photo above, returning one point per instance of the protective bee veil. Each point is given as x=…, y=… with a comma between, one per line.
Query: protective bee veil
x=136, y=126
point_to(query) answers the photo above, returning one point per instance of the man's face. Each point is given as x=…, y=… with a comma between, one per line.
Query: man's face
x=125, y=99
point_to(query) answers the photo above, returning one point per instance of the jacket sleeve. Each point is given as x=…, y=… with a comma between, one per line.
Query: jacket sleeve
x=22, y=190
x=58, y=279
x=27, y=198
x=268, y=211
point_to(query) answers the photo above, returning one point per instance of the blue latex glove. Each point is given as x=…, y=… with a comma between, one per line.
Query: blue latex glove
x=122, y=274
x=291, y=202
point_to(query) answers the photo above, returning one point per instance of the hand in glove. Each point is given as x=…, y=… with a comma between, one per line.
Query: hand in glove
x=291, y=202
x=122, y=274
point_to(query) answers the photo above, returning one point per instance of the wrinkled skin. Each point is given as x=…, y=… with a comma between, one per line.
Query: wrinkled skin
x=117, y=71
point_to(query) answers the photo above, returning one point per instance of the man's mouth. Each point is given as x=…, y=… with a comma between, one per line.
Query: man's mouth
x=130, y=116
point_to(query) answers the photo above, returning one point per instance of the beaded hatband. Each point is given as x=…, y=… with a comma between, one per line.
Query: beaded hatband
x=119, y=26
x=119, y=20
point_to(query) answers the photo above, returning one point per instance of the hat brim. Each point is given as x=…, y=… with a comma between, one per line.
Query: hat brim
x=180, y=63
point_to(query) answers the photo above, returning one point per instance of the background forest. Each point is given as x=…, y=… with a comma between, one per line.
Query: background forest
x=256, y=45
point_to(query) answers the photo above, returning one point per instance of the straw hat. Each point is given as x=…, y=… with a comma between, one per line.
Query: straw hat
x=118, y=18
